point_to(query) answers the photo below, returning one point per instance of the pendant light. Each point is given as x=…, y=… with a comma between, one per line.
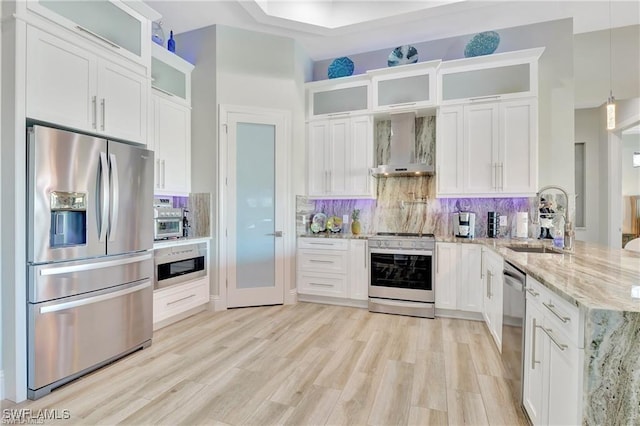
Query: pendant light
x=611, y=106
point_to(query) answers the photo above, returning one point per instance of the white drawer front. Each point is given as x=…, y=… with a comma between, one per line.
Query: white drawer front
x=323, y=243
x=561, y=316
x=333, y=285
x=322, y=261
x=174, y=300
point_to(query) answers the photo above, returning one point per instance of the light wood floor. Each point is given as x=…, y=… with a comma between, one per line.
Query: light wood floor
x=303, y=364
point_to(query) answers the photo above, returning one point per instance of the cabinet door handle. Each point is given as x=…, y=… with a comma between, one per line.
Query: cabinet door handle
x=365, y=255
x=501, y=177
x=551, y=307
x=321, y=284
x=181, y=299
x=163, y=91
x=481, y=264
x=158, y=173
x=484, y=98
x=533, y=344
x=437, y=259
x=493, y=175
x=103, y=105
x=94, y=111
x=489, y=292
x=99, y=37
x=553, y=338
x=533, y=292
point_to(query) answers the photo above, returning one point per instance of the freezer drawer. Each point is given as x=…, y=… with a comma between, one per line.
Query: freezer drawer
x=71, y=336
x=58, y=280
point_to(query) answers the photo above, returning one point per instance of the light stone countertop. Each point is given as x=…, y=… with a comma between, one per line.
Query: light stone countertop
x=592, y=276
x=337, y=235
x=171, y=242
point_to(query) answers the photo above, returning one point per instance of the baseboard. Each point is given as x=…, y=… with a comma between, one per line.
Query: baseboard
x=291, y=298
x=217, y=304
x=1, y=385
x=465, y=315
x=333, y=301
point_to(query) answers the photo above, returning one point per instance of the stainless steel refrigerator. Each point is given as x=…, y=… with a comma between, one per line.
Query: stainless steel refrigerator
x=90, y=264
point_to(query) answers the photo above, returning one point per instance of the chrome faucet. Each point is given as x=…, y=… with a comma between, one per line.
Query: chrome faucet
x=569, y=233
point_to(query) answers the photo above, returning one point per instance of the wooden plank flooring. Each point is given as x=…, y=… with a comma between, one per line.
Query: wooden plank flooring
x=303, y=364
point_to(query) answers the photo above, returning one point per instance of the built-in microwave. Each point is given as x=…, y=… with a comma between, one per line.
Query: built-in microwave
x=178, y=264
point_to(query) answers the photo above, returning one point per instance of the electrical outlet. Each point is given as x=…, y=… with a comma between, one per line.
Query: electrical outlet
x=503, y=221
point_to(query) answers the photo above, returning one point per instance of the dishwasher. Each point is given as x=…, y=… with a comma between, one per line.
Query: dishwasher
x=513, y=310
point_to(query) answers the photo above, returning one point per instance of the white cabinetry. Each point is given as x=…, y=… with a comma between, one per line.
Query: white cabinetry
x=170, y=138
x=492, y=266
x=112, y=25
x=340, y=153
x=499, y=76
x=328, y=98
x=553, y=358
x=332, y=270
x=72, y=87
x=458, y=277
x=489, y=149
x=170, y=122
x=173, y=301
x=404, y=87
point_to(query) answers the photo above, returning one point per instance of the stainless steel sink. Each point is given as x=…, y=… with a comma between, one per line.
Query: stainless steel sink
x=526, y=249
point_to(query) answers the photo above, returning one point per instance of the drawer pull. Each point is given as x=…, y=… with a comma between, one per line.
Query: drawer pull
x=180, y=300
x=533, y=292
x=320, y=261
x=321, y=244
x=549, y=332
x=321, y=284
x=551, y=307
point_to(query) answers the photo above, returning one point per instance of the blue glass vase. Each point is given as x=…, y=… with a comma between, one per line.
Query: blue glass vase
x=171, y=43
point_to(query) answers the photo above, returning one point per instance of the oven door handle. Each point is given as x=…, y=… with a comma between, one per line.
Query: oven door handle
x=401, y=251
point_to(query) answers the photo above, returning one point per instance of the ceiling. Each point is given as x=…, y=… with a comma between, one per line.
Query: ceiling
x=331, y=28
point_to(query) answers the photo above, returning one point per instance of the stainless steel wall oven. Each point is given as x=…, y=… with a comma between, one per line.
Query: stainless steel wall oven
x=402, y=274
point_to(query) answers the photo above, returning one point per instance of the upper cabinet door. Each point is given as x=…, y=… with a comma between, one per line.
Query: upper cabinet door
x=110, y=24
x=517, y=167
x=449, y=151
x=122, y=102
x=317, y=143
x=337, y=166
x=405, y=87
x=61, y=82
x=331, y=99
x=481, y=133
x=171, y=75
x=173, y=144
x=491, y=77
x=361, y=157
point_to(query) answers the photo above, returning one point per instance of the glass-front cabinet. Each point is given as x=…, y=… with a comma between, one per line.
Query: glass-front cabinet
x=407, y=86
x=171, y=75
x=491, y=77
x=329, y=98
x=116, y=26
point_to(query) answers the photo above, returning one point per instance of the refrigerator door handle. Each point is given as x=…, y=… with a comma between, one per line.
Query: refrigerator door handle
x=104, y=208
x=115, y=205
x=59, y=270
x=89, y=300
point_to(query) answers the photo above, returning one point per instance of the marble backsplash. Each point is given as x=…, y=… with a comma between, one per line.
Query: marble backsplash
x=198, y=207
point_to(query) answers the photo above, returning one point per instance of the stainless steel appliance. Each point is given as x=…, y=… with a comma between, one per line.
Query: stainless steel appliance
x=402, y=274
x=178, y=264
x=513, y=311
x=464, y=224
x=168, y=220
x=90, y=229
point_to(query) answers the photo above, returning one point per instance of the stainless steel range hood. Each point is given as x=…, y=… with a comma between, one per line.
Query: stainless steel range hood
x=402, y=158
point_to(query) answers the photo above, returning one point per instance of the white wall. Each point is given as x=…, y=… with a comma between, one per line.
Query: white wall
x=1, y=343
x=245, y=68
x=587, y=130
x=592, y=65
x=630, y=174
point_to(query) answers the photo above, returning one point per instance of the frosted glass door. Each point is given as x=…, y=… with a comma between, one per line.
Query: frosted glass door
x=253, y=207
x=255, y=193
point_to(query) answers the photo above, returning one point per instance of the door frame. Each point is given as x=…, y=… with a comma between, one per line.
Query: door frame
x=289, y=296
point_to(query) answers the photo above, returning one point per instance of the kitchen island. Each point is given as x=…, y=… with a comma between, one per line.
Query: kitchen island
x=603, y=284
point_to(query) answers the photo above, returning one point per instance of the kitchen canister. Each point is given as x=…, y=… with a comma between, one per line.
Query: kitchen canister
x=522, y=225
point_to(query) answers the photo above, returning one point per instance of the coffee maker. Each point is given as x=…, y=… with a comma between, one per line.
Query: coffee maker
x=464, y=224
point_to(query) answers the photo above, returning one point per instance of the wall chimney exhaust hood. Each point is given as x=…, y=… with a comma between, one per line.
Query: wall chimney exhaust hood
x=402, y=158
